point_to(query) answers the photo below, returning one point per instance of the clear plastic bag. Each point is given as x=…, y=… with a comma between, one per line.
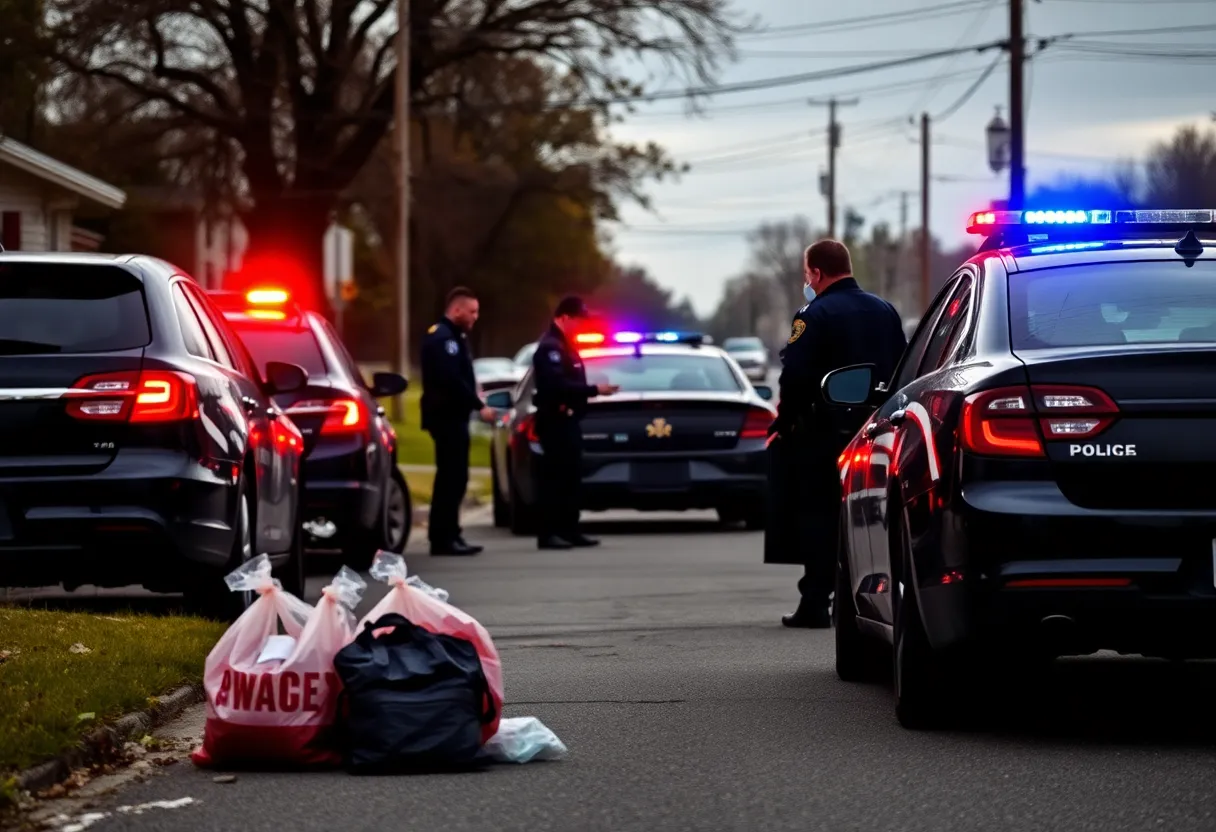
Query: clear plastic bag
x=422, y=605
x=278, y=712
x=523, y=739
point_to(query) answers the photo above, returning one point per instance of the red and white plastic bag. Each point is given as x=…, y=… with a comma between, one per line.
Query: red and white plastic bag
x=427, y=607
x=272, y=696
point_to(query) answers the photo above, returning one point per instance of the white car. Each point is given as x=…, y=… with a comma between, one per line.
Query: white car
x=497, y=373
x=750, y=354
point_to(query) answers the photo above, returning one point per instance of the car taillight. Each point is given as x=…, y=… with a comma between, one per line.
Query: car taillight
x=136, y=396
x=756, y=424
x=342, y=416
x=527, y=427
x=1014, y=421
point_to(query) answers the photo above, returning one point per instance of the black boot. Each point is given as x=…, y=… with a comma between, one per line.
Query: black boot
x=455, y=547
x=808, y=617
x=581, y=541
x=552, y=541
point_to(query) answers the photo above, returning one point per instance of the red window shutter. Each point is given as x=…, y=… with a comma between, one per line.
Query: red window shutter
x=10, y=230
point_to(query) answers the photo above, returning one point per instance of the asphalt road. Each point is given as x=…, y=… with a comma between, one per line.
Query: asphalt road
x=658, y=659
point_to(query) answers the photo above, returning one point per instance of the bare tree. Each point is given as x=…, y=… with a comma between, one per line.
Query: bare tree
x=301, y=92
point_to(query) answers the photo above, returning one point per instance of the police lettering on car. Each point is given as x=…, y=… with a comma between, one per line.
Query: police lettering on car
x=449, y=397
x=561, y=398
x=841, y=325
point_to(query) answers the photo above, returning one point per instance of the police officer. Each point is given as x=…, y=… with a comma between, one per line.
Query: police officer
x=841, y=325
x=561, y=398
x=449, y=396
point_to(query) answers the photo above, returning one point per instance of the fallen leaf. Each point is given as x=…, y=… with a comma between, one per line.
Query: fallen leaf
x=79, y=648
x=85, y=717
x=224, y=779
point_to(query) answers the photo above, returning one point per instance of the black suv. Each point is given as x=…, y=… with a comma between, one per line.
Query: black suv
x=355, y=497
x=138, y=443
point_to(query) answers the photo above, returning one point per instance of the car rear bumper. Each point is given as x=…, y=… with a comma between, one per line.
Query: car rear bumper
x=146, y=519
x=1036, y=568
x=676, y=482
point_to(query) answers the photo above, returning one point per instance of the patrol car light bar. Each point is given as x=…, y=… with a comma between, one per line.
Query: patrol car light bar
x=595, y=339
x=990, y=222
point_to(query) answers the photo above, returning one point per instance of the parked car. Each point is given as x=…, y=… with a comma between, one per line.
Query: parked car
x=686, y=431
x=139, y=444
x=751, y=355
x=355, y=496
x=523, y=358
x=497, y=374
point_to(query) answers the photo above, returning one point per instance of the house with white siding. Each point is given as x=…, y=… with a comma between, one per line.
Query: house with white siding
x=40, y=197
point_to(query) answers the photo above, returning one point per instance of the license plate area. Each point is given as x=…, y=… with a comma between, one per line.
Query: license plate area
x=659, y=475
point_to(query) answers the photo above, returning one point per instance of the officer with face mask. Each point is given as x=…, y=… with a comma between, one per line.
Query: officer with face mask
x=841, y=325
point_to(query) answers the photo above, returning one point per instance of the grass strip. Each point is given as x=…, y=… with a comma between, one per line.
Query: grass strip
x=414, y=446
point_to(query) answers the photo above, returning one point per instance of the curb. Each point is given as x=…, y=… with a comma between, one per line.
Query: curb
x=106, y=740
x=471, y=506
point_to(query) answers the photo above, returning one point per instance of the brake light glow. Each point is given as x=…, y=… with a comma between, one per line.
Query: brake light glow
x=342, y=416
x=756, y=424
x=527, y=427
x=267, y=297
x=1015, y=421
x=134, y=396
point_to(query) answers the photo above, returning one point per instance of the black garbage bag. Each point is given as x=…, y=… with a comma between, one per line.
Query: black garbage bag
x=414, y=700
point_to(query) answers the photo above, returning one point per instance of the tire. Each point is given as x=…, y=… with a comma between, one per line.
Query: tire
x=922, y=684
x=209, y=596
x=392, y=530
x=502, y=510
x=858, y=658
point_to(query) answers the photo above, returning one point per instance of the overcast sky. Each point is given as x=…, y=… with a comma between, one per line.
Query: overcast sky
x=757, y=155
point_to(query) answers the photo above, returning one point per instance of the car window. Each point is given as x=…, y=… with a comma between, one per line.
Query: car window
x=288, y=344
x=232, y=344
x=192, y=330
x=57, y=308
x=910, y=363
x=948, y=327
x=1111, y=304
x=343, y=354
x=216, y=341
x=658, y=372
x=742, y=344
x=493, y=366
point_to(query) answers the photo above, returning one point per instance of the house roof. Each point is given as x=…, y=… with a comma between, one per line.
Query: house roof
x=67, y=177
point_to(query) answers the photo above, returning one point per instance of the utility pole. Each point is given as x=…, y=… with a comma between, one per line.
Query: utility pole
x=903, y=216
x=401, y=351
x=1017, y=113
x=833, y=145
x=924, y=211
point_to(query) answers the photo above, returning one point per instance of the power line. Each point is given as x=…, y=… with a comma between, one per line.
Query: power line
x=967, y=36
x=870, y=20
x=966, y=96
x=1164, y=30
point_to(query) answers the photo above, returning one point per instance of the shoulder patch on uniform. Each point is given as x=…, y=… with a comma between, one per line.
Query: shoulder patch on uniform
x=451, y=347
x=431, y=331
x=555, y=356
x=799, y=328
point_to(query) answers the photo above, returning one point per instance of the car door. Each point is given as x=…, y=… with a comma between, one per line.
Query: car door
x=380, y=451
x=898, y=436
x=274, y=513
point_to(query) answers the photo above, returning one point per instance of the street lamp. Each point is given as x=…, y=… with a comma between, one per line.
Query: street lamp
x=998, y=143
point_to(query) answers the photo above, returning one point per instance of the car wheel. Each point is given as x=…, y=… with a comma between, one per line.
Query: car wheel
x=210, y=596
x=921, y=683
x=858, y=658
x=502, y=510
x=392, y=531
x=292, y=574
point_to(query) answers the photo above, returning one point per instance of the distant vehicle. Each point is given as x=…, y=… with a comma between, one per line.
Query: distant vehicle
x=496, y=374
x=523, y=358
x=686, y=431
x=751, y=355
x=355, y=496
x=139, y=444
x=1036, y=480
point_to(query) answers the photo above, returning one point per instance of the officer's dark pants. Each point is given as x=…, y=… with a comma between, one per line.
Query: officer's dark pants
x=819, y=527
x=560, y=476
x=451, y=480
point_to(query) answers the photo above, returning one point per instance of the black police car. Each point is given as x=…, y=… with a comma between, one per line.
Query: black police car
x=138, y=445
x=355, y=497
x=686, y=431
x=1038, y=477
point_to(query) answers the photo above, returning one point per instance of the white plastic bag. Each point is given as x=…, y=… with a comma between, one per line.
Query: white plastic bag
x=523, y=739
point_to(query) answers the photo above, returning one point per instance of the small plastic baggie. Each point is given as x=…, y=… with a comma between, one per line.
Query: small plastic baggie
x=523, y=739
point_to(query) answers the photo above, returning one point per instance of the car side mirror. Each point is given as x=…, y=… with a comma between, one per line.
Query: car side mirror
x=284, y=378
x=388, y=384
x=764, y=391
x=499, y=400
x=849, y=385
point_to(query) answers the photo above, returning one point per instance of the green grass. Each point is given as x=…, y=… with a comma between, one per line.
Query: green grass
x=414, y=446
x=50, y=696
x=422, y=483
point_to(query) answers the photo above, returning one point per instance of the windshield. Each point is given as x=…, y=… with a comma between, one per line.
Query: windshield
x=742, y=344
x=1114, y=303
x=58, y=308
x=524, y=356
x=290, y=346
x=662, y=372
x=493, y=366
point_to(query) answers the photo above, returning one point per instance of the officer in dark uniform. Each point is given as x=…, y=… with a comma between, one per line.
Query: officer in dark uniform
x=561, y=398
x=840, y=326
x=449, y=397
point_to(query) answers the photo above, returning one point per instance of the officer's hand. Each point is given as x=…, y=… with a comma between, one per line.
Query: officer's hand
x=488, y=414
x=607, y=389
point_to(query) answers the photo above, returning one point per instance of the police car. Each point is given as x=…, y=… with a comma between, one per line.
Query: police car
x=355, y=497
x=686, y=431
x=1039, y=478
